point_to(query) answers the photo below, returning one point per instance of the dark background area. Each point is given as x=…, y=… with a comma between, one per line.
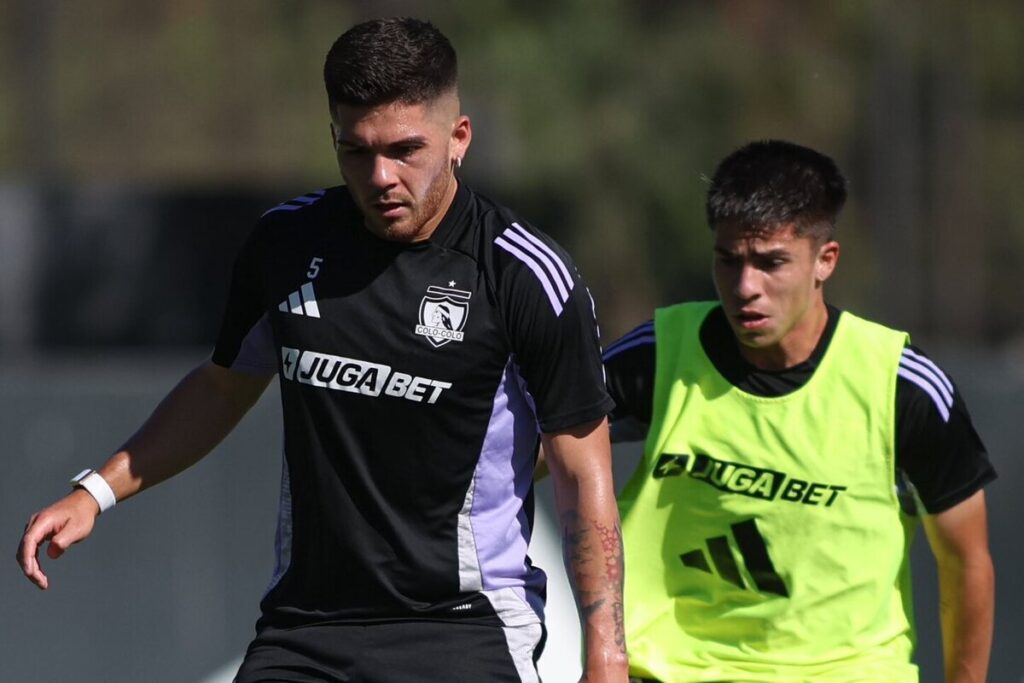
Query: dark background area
x=140, y=141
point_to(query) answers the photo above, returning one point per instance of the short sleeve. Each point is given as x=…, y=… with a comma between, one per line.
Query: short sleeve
x=629, y=364
x=937, y=447
x=551, y=323
x=245, y=342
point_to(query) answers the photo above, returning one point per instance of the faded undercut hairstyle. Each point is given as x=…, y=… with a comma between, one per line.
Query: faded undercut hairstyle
x=384, y=61
x=767, y=184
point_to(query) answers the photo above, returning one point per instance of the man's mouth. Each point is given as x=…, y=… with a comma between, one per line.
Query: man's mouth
x=751, y=320
x=388, y=209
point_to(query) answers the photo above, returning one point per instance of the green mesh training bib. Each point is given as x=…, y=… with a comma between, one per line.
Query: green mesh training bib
x=763, y=536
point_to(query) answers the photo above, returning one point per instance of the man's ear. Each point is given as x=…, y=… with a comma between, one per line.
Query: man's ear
x=334, y=138
x=825, y=264
x=462, y=135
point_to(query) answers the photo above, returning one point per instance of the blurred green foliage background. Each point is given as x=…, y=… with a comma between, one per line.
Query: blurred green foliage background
x=598, y=119
x=140, y=140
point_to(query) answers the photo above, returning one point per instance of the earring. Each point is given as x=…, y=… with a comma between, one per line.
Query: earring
x=458, y=162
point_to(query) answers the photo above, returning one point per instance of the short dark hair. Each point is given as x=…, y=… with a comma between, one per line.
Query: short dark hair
x=389, y=60
x=769, y=183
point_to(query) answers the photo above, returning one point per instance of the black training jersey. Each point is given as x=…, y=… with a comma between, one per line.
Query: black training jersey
x=938, y=451
x=415, y=379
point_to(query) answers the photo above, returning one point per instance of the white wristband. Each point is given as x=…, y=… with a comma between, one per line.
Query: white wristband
x=97, y=487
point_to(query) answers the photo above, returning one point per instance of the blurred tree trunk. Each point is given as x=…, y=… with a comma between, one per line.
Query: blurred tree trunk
x=895, y=171
x=30, y=53
x=958, y=230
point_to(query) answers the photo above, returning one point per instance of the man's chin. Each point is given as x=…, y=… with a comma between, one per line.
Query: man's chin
x=393, y=231
x=755, y=339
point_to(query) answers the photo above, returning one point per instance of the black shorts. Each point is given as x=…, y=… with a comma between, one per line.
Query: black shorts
x=394, y=652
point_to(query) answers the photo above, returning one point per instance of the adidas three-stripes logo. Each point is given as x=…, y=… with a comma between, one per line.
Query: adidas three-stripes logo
x=301, y=302
x=754, y=551
x=639, y=336
x=299, y=202
x=550, y=270
x=929, y=378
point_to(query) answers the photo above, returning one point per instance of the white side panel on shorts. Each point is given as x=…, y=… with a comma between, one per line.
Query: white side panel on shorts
x=522, y=630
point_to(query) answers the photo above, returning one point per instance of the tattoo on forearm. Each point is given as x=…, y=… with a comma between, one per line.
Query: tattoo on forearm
x=591, y=608
x=595, y=588
x=575, y=549
x=611, y=543
x=620, y=626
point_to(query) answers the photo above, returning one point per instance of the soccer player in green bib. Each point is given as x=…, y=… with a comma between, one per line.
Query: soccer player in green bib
x=791, y=448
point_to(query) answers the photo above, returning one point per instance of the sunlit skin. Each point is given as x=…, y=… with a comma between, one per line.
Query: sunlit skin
x=398, y=161
x=770, y=284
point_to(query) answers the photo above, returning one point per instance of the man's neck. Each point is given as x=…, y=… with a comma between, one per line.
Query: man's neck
x=796, y=347
x=442, y=210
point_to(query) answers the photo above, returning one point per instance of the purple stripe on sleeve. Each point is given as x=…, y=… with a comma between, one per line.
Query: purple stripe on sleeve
x=620, y=347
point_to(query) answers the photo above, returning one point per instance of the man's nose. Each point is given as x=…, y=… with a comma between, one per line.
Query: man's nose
x=747, y=283
x=382, y=173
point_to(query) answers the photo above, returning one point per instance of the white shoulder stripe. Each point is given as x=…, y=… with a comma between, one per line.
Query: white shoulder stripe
x=547, y=250
x=909, y=353
x=926, y=373
x=928, y=388
x=621, y=346
x=537, y=269
x=543, y=258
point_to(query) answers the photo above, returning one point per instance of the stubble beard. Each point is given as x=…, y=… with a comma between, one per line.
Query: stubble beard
x=410, y=228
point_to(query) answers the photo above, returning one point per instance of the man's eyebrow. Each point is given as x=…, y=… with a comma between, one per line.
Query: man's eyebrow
x=778, y=251
x=410, y=140
x=769, y=253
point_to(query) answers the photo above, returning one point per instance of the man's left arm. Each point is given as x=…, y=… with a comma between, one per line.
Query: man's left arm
x=959, y=540
x=579, y=459
x=942, y=455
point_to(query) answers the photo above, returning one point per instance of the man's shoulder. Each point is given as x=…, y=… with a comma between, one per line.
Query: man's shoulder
x=686, y=309
x=300, y=205
x=495, y=224
x=308, y=209
x=924, y=386
x=637, y=342
x=511, y=246
x=641, y=340
x=681, y=322
x=850, y=319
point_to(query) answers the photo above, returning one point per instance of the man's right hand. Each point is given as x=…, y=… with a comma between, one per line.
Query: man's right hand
x=193, y=418
x=63, y=524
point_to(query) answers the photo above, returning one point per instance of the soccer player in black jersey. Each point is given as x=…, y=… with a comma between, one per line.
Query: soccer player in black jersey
x=425, y=339
x=789, y=447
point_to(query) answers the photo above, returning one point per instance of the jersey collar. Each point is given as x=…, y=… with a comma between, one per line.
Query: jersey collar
x=453, y=217
x=723, y=351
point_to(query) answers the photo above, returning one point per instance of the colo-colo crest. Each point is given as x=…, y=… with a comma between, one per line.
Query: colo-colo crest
x=443, y=313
